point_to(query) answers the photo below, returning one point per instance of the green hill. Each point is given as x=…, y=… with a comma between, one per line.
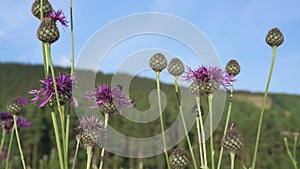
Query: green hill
x=282, y=111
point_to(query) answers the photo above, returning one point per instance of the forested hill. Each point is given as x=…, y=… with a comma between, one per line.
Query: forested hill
x=282, y=111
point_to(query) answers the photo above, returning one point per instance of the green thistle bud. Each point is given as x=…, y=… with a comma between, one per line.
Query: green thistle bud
x=274, y=37
x=86, y=140
x=48, y=31
x=35, y=8
x=16, y=105
x=197, y=87
x=179, y=158
x=109, y=108
x=211, y=87
x=158, y=62
x=233, y=68
x=176, y=67
x=232, y=141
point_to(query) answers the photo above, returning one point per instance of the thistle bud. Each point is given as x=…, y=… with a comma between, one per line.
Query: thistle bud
x=179, y=158
x=158, y=62
x=274, y=37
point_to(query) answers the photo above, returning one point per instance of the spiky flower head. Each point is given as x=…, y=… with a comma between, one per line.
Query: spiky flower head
x=109, y=99
x=233, y=68
x=274, y=37
x=48, y=31
x=175, y=67
x=232, y=141
x=179, y=158
x=16, y=105
x=46, y=94
x=35, y=8
x=92, y=131
x=208, y=79
x=7, y=121
x=158, y=62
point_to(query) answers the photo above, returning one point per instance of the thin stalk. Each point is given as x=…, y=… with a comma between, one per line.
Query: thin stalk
x=226, y=125
x=67, y=140
x=263, y=107
x=9, y=147
x=161, y=119
x=46, y=68
x=72, y=36
x=199, y=141
x=60, y=158
x=212, y=151
x=2, y=140
x=289, y=153
x=295, y=146
x=202, y=132
x=184, y=124
x=76, y=153
x=232, y=157
x=18, y=141
x=89, y=151
x=106, y=117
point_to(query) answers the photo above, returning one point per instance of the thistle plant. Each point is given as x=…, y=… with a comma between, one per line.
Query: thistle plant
x=176, y=68
x=274, y=39
x=109, y=100
x=179, y=159
x=158, y=62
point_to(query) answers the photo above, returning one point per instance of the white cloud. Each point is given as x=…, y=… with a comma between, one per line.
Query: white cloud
x=64, y=61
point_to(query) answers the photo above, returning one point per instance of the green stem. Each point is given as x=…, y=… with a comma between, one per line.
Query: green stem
x=89, y=151
x=263, y=107
x=289, y=153
x=72, y=36
x=212, y=151
x=67, y=140
x=103, y=149
x=9, y=147
x=57, y=140
x=76, y=153
x=295, y=146
x=199, y=141
x=46, y=68
x=202, y=132
x=18, y=141
x=232, y=157
x=2, y=140
x=161, y=119
x=226, y=125
x=184, y=124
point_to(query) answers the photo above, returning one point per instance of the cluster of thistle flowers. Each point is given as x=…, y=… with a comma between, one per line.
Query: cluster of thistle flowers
x=14, y=108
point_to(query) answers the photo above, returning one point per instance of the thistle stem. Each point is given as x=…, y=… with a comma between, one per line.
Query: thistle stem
x=106, y=117
x=161, y=120
x=226, y=125
x=295, y=146
x=289, y=153
x=9, y=147
x=184, y=124
x=2, y=140
x=202, y=137
x=89, y=151
x=46, y=68
x=263, y=107
x=72, y=36
x=212, y=151
x=232, y=157
x=76, y=153
x=18, y=141
x=60, y=158
x=67, y=140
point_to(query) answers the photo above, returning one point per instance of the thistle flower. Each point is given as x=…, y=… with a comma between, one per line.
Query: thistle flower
x=48, y=31
x=35, y=8
x=109, y=99
x=274, y=37
x=7, y=121
x=46, y=94
x=176, y=67
x=179, y=158
x=92, y=131
x=208, y=78
x=158, y=62
x=16, y=105
x=232, y=141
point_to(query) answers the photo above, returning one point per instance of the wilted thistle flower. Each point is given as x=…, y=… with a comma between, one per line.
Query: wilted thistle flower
x=7, y=121
x=16, y=105
x=35, y=8
x=179, y=158
x=207, y=79
x=233, y=68
x=109, y=99
x=274, y=37
x=48, y=31
x=158, y=62
x=46, y=94
x=92, y=131
x=175, y=67
x=232, y=141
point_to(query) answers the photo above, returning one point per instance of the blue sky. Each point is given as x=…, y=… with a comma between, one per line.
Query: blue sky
x=236, y=30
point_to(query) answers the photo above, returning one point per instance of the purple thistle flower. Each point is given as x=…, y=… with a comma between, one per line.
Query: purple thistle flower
x=209, y=75
x=7, y=121
x=105, y=94
x=91, y=123
x=58, y=16
x=46, y=94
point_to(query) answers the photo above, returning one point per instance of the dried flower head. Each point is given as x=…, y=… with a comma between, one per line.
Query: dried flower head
x=16, y=105
x=109, y=99
x=158, y=62
x=274, y=37
x=232, y=141
x=175, y=67
x=46, y=94
x=7, y=121
x=179, y=158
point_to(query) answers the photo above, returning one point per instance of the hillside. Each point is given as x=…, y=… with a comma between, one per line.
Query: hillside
x=282, y=111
